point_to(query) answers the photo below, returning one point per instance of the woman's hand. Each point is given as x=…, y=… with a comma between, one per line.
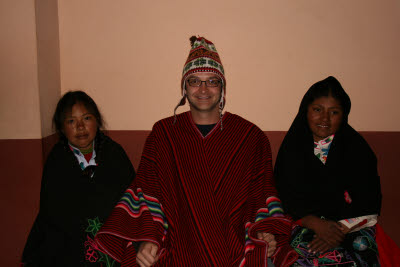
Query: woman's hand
x=270, y=239
x=147, y=254
x=318, y=245
x=328, y=234
x=345, y=229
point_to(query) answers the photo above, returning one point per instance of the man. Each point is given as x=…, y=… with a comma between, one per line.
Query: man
x=204, y=193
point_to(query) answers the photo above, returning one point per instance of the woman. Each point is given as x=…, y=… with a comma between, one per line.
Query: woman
x=327, y=178
x=84, y=176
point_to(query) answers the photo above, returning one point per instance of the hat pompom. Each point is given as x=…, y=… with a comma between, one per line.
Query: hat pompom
x=192, y=40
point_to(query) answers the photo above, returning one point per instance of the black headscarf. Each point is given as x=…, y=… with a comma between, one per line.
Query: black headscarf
x=308, y=187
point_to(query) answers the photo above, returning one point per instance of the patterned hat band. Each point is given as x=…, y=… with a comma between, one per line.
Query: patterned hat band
x=209, y=65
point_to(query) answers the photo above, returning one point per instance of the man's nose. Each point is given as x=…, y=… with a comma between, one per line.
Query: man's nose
x=203, y=86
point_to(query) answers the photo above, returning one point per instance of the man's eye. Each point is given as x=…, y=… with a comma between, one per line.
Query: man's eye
x=70, y=121
x=88, y=117
x=317, y=109
x=214, y=81
x=193, y=81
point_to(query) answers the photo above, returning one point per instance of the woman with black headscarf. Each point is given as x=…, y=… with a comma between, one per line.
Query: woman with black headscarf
x=326, y=175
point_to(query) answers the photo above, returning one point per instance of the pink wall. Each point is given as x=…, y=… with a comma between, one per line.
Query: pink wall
x=19, y=98
x=29, y=69
x=48, y=51
x=129, y=56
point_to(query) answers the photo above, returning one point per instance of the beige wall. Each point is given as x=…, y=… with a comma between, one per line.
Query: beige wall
x=129, y=56
x=48, y=51
x=19, y=98
x=29, y=69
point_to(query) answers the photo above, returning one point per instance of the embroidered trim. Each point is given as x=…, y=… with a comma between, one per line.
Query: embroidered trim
x=273, y=209
x=321, y=148
x=92, y=253
x=81, y=158
x=136, y=204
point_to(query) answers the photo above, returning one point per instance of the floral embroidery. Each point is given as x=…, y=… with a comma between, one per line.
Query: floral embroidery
x=321, y=148
x=364, y=253
x=347, y=197
x=92, y=254
x=94, y=226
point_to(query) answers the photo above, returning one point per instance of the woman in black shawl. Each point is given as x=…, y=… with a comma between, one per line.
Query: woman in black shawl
x=335, y=198
x=84, y=176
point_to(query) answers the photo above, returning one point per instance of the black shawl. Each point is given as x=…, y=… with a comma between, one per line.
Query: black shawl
x=69, y=198
x=308, y=187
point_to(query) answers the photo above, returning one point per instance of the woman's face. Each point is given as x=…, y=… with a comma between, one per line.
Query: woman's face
x=80, y=127
x=324, y=116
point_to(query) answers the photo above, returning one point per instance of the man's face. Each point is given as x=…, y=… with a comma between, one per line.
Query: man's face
x=204, y=98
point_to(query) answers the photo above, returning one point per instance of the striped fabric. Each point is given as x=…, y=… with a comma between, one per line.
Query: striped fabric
x=201, y=199
x=136, y=204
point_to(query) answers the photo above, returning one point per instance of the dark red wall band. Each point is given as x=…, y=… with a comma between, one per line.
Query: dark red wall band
x=22, y=160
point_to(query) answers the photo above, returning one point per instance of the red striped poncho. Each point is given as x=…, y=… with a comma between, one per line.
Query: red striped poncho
x=201, y=199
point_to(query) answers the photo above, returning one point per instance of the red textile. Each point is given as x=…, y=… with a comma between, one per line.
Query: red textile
x=389, y=252
x=201, y=199
x=88, y=156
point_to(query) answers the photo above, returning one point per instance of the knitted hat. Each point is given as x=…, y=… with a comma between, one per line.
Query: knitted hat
x=203, y=57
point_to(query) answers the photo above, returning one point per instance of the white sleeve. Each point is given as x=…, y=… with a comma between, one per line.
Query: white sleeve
x=358, y=223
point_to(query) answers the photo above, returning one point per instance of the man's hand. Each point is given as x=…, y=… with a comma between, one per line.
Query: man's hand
x=270, y=239
x=147, y=254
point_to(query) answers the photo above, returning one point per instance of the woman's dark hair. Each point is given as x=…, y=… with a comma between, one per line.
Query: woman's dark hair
x=325, y=88
x=65, y=105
